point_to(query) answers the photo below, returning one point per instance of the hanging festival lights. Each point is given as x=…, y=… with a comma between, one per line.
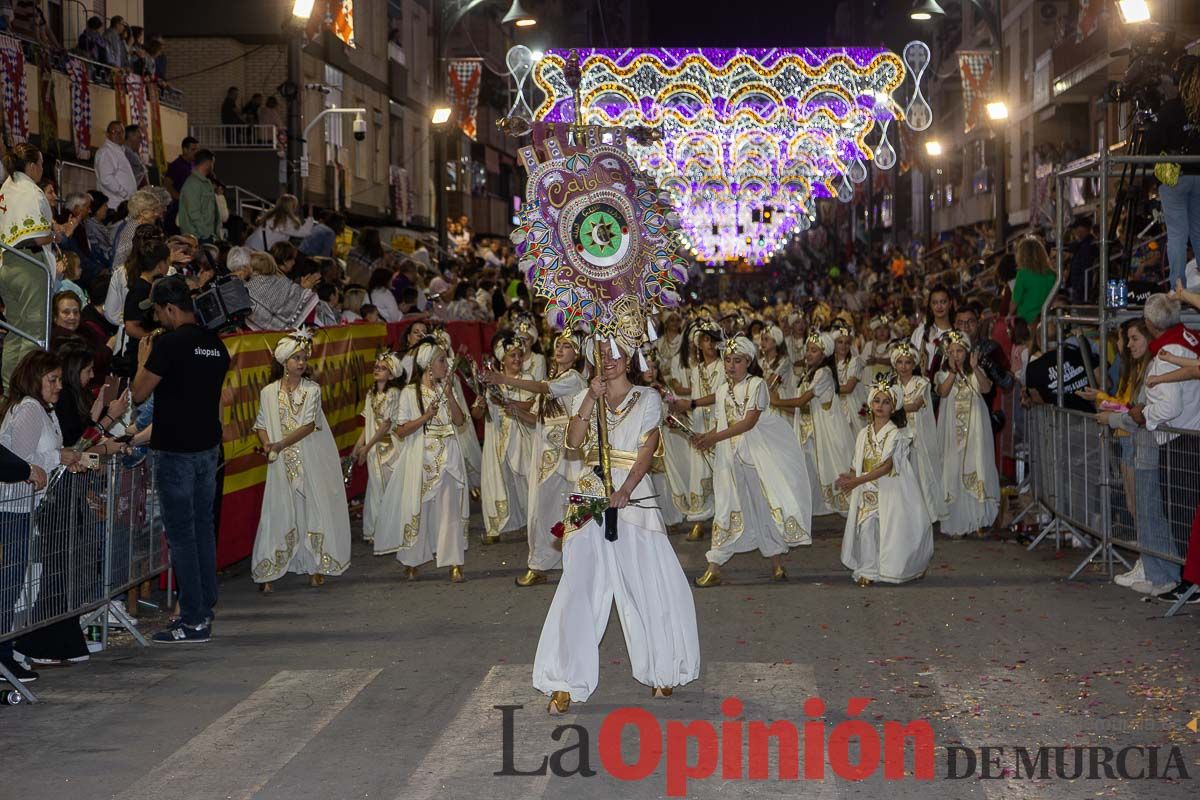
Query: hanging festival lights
x=743, y=140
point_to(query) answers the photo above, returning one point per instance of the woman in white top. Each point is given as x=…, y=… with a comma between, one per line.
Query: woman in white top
x=705, y=373
x=638, y=570
x=379, y=449
x=281, y=224
x=507, y=443
x=30, y=430
x=379, y=292
x=852, y=392
x=888, y=538
x=428, y=495
x=305, y=524
x=759, y=475
x=969, y=475
x=776, y=365
x=926, y=454
x=939, y=320
x=821, y=426
x=553, y=468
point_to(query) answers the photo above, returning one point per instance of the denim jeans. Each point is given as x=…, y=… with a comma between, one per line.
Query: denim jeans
x=1181, y=208
x=1153, y=531
x=14, y=559
x=187, y=483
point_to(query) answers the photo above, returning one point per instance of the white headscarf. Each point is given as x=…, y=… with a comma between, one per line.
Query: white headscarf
x=293, y=343
x=775, y=333
x=903, y=349
x=426, y=353
x=741, y=346
x=823, y=340
x=391, y=362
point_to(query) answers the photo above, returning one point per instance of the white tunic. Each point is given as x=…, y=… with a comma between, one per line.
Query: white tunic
x=926, y=451
x=834, y=442
x=380, y=409
x=639, y=572
x=704, y=380
x=851, y=404
x=556, y=469
x=760, y=479
x=305, y=524
x=888, y=537
x=969, y=475
x=507, y=453
x=429, y=493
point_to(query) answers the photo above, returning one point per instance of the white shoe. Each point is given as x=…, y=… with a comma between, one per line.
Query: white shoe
x=1161, y=588
x=1135, y=575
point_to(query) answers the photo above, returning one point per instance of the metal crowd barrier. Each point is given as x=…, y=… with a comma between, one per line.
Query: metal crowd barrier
x=1120, y=492
x=70, y=549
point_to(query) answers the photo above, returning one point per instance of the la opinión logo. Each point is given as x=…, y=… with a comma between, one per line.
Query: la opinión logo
x=854, y=750
x=737, y=749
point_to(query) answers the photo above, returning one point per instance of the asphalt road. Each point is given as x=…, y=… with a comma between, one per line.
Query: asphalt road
x=371, y=687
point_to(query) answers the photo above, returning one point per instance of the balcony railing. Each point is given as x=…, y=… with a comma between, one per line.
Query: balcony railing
x=236, y=137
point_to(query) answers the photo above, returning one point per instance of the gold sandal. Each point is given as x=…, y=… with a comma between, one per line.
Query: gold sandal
x=456, y=574
x=778, y=574
x=659, y=692
x=709, y=578
x=531, y=578
x=559, y=703
x=696, y=533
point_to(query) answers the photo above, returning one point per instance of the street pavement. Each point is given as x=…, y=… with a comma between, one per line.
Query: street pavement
x=372, y=687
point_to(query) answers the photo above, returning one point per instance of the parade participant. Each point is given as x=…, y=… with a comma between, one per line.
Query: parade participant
x=888, y=538
x=377, y=447
x=926, y=456
x=507, y=443
x=969, y=476
x=820, y=425
x=638, y=570
x=429, y=496
x=660, y=469
x=305, y=524
x=759, y=474
x=939, y=320
x=705, y=372
x=797, y=342
x=852, y=393
x=777, y=369
x=553, y=469
x=413, y=335
x=875, y=353
x=534, y=364
x=468, y=441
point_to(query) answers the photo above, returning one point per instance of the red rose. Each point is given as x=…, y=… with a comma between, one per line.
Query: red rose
x=558, y=530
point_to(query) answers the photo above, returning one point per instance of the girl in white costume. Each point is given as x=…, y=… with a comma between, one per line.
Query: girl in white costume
x=939, y=320
x=638, y=570
x=305, y=524
x=534, y=363
x=377, y=447
x=468, y=442
x=706, y=372
x=926, y=454
x=969, y=475
x=777, y=369
x=553, y=469
x=797, y=343
x=888, y=537
x=759, y=474
x=428, y=497
x=507, y=444
x=661, y=467
x=852, y=392
x=875, y=353
x=821, y=426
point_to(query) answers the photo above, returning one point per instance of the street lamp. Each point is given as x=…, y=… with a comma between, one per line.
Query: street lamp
x=925, y=10
x=933, y=148
x=1133, y=11
x=997, y=110
x=302, y=9
x=518, y=16
x=441, y=115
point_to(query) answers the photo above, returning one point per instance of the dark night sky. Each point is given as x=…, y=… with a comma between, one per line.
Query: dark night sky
x=740, y=23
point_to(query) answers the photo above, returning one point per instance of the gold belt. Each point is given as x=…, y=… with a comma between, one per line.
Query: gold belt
x=440, y=431
x=617, y=459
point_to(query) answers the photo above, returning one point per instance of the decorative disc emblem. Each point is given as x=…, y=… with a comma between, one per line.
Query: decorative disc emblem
x=600, y=236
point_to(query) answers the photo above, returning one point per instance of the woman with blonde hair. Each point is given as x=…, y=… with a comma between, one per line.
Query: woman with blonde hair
x=281, y=224
x=279, y=303
x=1035, y=279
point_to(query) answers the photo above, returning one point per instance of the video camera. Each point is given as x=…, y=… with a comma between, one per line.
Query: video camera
x=223, y=304
x=1152, y=55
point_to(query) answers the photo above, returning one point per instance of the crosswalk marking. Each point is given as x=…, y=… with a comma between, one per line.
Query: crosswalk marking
x=237, y=754
x=461, y=762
